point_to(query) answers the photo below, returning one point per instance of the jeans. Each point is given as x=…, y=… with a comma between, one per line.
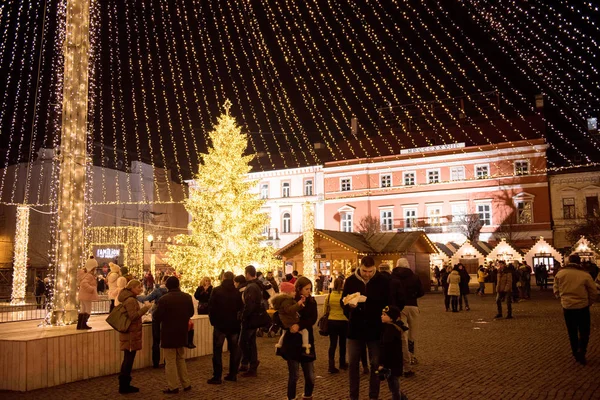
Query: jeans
x=248, y=347
x=338, y=330
x=308, y=368
x=354, y=349
x=460, y=301
x=127, y=364
x=410, y=317
x=500, y=298
x=175, y=368
x=446, y=298
x=481, y=288
x=578, y=327
x=394, y=386
x=155, y=343
x=217, y=360
x=454, y=303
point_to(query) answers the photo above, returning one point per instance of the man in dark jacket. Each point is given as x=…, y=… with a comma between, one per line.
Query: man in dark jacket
x=251, y=320
x=174, y=312
x=407, y=286
x=223, y=307
x=154, y=296
x=365, y=324
x=39, y=291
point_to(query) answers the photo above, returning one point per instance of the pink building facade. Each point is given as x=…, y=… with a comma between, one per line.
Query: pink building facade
x=434, y=189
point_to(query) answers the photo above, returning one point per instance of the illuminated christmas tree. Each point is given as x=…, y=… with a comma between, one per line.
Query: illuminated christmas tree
x=227, y=220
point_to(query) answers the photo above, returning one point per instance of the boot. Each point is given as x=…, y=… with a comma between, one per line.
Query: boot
x=343, y=365
x=306, y=397
x=125, y=387
x=191, y=344
x=80, y=321
x=332, y=369
x=84, y=324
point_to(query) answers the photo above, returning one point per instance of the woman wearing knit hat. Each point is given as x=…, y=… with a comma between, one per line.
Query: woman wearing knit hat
x=86, y=279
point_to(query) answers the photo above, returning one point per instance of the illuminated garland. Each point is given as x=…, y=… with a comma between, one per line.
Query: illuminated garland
x=19, y=283
x=130, y=237
x=308, y=248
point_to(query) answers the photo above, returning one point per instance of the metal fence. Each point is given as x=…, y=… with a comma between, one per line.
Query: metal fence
x=32, y=311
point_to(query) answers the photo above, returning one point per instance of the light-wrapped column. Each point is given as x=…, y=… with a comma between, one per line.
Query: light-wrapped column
x=19, y=282
x=308, y=254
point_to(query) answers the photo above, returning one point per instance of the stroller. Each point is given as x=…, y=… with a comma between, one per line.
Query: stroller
x=274, y=329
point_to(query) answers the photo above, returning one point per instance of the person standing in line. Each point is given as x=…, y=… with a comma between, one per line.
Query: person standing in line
x=252, y=297
x=88, y=292
x=454, y=287
x=154, y=296
x=504, y=289
x=131, y=341
x=364, y=320
x=577, y=291
x=412, y=288
x=391, y=350
x=202, y=294
x=224, y=305
x=111, y=280
x=292, y=350
x=338, y=326
x=173, y=312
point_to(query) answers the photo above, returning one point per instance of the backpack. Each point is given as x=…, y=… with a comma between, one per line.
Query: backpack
x=119, y=319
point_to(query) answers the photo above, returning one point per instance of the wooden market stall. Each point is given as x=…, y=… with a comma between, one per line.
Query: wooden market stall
x=543, y=253
x=505, y=251
x=471, y=255
x=586, y=250
x=340, y=252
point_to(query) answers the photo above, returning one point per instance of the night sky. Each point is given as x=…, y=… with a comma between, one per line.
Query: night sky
x=298, y=71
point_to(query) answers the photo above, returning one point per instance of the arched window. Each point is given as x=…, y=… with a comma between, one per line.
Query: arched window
x=286, y=223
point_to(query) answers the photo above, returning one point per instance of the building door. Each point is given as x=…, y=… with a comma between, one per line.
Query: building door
x=471, y=264
x=546, y=260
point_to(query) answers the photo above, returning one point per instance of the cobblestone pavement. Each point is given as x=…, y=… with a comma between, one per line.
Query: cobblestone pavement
x=464, y=355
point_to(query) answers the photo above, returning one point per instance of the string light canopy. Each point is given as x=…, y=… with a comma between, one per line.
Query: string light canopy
x=412, y=73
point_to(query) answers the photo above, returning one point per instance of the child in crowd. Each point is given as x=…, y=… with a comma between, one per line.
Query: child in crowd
x=287, y=308
x=390, y=361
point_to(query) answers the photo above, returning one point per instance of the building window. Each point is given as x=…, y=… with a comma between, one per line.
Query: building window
x=433, y=176
x=285, y=189
x=521, y=167
x=524, y=212
x=410, y=218
x=457, y=173
x=264, y=191
x=386, y=181
x=387, y=220
x=485, y=213
x=482, y=171
x=459, y=211
x=591, y=205
x=286, y=223
x=569, y=208
x=346, y=222
x=308, y=187
x=409, y=178
x=346, y=184
x=433, y=215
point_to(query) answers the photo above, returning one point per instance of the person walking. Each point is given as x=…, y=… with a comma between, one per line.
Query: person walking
x=481, y=277
x=465, y=278
x=364, y=320
x=173, y=312
x=504, y=289
x=292, y=350
x=223, y=307
x=202, y=294
x=252, y=297
x=338, y=326
x=412, y=288
x=454, y=287
x=153, y=297
x=445, y=271
x=131, y=341
x=577, y=291
x=88, y=292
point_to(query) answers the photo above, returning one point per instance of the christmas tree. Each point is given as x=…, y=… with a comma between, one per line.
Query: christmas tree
x=227, y=220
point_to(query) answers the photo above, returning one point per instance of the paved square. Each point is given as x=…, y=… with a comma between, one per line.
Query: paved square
x=465, y=355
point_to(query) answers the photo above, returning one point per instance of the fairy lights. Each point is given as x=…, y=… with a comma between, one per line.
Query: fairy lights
x=308, y=248
x=131, y=238
x=20, y=260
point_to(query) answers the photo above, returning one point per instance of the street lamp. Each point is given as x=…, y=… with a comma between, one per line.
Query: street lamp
x=150, y=239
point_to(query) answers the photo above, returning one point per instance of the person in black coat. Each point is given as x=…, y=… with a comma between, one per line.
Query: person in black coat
x=364, y=322
x=174, y=312
x=391, y=360
x=292, y=350
x=465, y=278
x=252, y=314
x=39, y=291
x=223, y=307
x=444, y=280
x=202, y=294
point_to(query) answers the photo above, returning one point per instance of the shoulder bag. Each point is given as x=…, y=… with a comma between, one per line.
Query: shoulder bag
x=323, y=323
x=119, y=319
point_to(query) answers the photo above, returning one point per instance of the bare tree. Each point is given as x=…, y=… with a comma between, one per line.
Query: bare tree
x=590, y=228
x=469, y=225
x=368, y=226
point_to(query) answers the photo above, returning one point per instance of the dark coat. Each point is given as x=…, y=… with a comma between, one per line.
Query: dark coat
x=391, y=349
x=365, y=319
x=40, y=288
x=253, y=303
x=292, y=343
x=465, y=278
x=203, y=296
x=406, y=281
x=224, y=306
x=173, y=312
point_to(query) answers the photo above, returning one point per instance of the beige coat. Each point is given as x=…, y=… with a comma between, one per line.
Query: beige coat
x=132, y=340
x=454, y=283
x=575, y=287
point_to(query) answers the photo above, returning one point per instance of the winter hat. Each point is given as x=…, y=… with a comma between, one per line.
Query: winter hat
x=124, y=270
x=172, y=283
x=114, y=268
x=393, y=312
x=287, y=287
x=91, y=264
x=402, y=263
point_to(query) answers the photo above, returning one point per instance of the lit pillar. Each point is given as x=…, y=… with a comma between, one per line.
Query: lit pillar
x=308, y=254
x=19, y=283
x=71, y=201
x=153, y=264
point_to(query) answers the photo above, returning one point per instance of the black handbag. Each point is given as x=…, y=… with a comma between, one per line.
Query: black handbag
x=323, y=323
